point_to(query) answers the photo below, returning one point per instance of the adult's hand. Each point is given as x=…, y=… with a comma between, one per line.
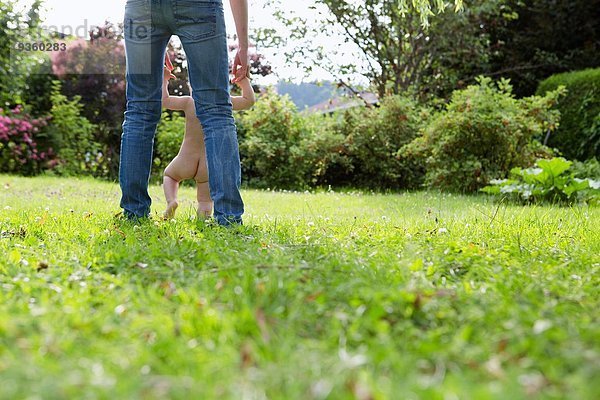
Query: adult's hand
x=168, y=62
x=239, y=8
x=168, y=70
x=240, y=65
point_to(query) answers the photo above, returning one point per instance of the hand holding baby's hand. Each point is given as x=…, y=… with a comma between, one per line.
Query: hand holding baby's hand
x=168, y=69
x=167, y=75
x=240, y=74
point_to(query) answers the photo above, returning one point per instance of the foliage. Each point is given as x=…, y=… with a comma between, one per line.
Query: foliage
x=482, y=134
x=326, y=152
x=578, y=135
x=72, y=135
x=271, y=149
x=281, y=148
x=319, y=296
x=38, y=88
x=525, y=41
x=588, y=168
x=538, y=38
x=95, y=71
x=551, y=180
x=16, y=66
x=20, y=150
x=374, y=137
x=169, y=135
x=397, y=50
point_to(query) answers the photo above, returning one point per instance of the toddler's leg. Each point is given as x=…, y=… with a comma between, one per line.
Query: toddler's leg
x=205, y=204
x=170, y=187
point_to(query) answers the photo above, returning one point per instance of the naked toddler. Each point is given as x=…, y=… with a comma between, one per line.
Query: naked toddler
x=190, y=162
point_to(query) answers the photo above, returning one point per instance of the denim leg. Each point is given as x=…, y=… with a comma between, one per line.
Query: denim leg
x=201, y=28
x=145, y=43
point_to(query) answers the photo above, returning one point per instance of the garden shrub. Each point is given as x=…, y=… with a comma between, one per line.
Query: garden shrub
x=325, y=149
x=38, y=90
x=19, y=23
x=578, y=136
x=374, y=137
x=281, y=149
x=271, y=146
x=551, y=180
x=482, y=134
x=20, y=148
x=588, y=168
x=72, y=135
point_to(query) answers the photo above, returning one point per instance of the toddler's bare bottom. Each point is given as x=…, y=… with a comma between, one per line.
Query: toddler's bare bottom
x=190, y=163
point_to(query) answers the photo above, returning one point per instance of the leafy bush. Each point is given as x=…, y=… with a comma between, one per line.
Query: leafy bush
x=374, y=137
x=281, y=149
x=169, y=136
x=551, y=180
x=18, y=24
x=38, y=90
x=588, y=168
x=325, y=149
x=482, y=134
x=20, y=151
x=271, y=147
x=578, y=136
x=73, y=137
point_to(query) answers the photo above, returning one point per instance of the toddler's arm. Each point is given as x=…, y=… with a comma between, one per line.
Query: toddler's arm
x=247, y=99
x=176, y=103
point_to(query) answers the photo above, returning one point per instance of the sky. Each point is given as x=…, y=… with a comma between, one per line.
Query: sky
x=78, y=16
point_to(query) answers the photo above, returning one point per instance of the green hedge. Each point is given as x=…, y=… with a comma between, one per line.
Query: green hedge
x=373, y=139
x=482, y=134
x=283, y=149
x=578, y=136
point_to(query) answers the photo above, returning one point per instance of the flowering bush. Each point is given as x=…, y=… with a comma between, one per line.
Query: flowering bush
x=19, y=148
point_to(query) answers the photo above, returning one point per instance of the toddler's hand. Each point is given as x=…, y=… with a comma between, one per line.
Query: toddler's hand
x=168, y=70
x=167, y=75
x=241, y=74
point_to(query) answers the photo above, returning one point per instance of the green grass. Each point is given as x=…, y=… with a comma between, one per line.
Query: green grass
x=327, y=295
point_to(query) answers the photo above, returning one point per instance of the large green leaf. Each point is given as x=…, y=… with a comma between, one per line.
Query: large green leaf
x=575, y=185
x=554, y=167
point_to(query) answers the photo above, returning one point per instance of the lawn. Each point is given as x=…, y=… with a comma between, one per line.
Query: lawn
x=319, y=296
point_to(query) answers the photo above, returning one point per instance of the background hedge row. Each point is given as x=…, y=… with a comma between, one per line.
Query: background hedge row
x=578, y=136
x=480, y=135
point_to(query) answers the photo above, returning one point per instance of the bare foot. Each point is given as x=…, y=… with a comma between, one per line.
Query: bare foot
x=205, y=209
x=171, y=208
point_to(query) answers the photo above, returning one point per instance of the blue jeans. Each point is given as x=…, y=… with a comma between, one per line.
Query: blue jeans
x=200, y=25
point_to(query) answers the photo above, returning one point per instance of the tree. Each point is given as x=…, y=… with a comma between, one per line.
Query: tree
x=525, y=41
x=402, y=48
x=16, y=65
x=542, y=38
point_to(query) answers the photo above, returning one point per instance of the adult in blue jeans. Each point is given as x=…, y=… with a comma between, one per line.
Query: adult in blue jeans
x=200, y=25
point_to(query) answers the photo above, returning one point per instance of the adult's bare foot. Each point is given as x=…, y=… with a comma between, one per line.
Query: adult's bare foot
x=205, y=209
